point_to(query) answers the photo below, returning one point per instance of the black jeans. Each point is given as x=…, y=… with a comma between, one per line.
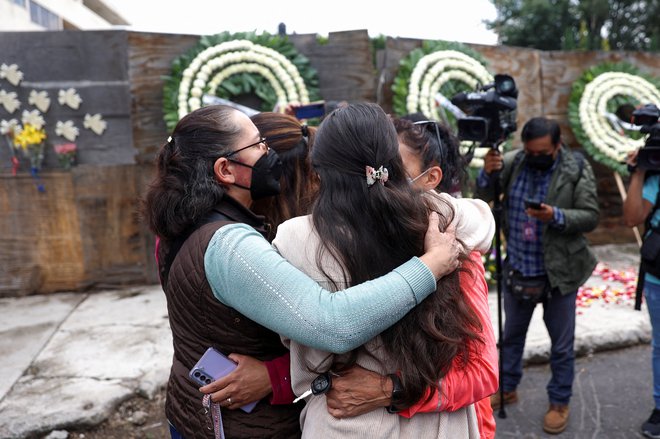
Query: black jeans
x=559, y=318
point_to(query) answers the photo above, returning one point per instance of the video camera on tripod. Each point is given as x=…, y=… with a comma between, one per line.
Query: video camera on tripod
x=648, y=117
x=491, y=118
x=491, y=112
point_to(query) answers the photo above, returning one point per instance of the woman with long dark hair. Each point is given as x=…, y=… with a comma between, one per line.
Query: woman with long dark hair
x=367, y=219
x=433, y=163
x=293, y=142
x=227, y=288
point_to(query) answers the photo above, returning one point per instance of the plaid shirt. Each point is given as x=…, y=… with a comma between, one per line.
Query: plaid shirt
x=526, y=254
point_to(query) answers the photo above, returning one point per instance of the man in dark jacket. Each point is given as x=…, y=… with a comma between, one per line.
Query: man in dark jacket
x=549, y=202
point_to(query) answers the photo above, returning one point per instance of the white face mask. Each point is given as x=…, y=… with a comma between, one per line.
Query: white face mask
x=413, y=180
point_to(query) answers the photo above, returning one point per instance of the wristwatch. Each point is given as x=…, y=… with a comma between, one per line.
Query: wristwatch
x=397, y=391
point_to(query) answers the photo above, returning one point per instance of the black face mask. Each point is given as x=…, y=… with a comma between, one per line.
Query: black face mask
x=541, y=162
x=266, y=173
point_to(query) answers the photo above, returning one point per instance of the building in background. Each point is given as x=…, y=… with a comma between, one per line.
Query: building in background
x=34, y=15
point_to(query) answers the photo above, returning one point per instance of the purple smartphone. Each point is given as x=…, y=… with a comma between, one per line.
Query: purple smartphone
x=212, y=366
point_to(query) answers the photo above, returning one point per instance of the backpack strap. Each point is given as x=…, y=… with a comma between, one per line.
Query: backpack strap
x=580, y=159
x=656, y=206
x=507, y=177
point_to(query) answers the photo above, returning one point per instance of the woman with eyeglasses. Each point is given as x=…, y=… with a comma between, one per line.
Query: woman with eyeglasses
x=432, y=160
x=227, y=288
x=434, y=165
x=367, y=218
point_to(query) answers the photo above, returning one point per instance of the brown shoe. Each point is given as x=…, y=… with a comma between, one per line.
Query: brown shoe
x=509, y=398
x=556, y=419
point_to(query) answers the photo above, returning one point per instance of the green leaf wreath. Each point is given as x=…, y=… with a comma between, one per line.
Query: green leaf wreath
x=586, y=136
x=239, y=84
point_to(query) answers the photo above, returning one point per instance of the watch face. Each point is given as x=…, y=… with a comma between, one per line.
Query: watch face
x=321, y=384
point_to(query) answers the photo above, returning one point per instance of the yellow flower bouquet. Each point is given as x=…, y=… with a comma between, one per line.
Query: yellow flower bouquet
x=31, y=141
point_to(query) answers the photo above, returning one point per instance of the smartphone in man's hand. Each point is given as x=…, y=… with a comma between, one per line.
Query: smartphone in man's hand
x=532, y=204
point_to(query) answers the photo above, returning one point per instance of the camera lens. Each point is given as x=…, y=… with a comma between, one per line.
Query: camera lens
x=649, y=158
x=196, y=374
x=506, y=86
x=654, y=159
x=208, y=381
x=203, y=378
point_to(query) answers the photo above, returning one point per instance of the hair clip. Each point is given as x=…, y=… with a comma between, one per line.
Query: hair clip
x=379, y=174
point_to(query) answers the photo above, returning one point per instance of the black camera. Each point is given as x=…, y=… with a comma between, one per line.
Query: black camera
x=491, y=112
x=648, y=117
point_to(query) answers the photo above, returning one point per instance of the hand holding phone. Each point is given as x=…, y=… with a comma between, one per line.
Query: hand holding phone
x=212, y=366
x=532, y=204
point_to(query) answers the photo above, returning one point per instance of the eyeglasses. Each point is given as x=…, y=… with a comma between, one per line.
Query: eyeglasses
x=262, y=141
x=441, y=146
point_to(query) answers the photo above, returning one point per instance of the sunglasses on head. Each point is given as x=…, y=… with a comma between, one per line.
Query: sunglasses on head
x=432, y=126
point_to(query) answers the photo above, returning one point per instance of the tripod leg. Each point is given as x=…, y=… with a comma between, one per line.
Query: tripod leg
x=497, y=214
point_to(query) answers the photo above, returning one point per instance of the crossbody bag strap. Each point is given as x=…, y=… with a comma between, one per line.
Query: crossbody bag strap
x=506, y=178
x=656, y=206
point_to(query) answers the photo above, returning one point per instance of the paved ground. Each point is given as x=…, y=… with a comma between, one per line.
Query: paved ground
x=612, y=397
x=70, y=359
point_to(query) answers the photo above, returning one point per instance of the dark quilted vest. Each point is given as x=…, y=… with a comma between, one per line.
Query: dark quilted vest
x=198, y=320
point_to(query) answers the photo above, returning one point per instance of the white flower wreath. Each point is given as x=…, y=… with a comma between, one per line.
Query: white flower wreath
x=588, y=111
x=432, y=72
x=215, y=64
x=593, y=107
x=436, y=68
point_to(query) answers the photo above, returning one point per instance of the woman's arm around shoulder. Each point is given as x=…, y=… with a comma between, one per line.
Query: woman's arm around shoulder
x=247, y=274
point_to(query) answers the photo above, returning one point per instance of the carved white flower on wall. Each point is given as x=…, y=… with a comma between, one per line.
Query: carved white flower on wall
x=33, y=118
x=11, y=73
x=40, y=100
x=10, y=127
x=95, y=123
x=67, y=130
x=69, y=97
x=9, y=101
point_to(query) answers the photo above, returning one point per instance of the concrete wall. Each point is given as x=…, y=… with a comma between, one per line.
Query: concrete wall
x=84, y=231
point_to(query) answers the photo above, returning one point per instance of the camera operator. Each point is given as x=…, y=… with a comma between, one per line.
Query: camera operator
x=639, y=207
x=549, y=202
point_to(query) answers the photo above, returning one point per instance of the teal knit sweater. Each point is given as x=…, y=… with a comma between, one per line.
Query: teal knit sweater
x=247, y=274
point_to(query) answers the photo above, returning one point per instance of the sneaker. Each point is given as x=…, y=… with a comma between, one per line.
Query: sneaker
x=509, y=398
x=556, y=419
x=651, y=428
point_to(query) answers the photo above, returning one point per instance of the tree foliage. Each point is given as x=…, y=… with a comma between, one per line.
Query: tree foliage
x=578, y=24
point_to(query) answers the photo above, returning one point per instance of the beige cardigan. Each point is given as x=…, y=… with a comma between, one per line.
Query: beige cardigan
x=298, y=243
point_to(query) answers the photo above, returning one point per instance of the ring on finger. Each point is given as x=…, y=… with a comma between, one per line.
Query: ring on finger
x=229, y=401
